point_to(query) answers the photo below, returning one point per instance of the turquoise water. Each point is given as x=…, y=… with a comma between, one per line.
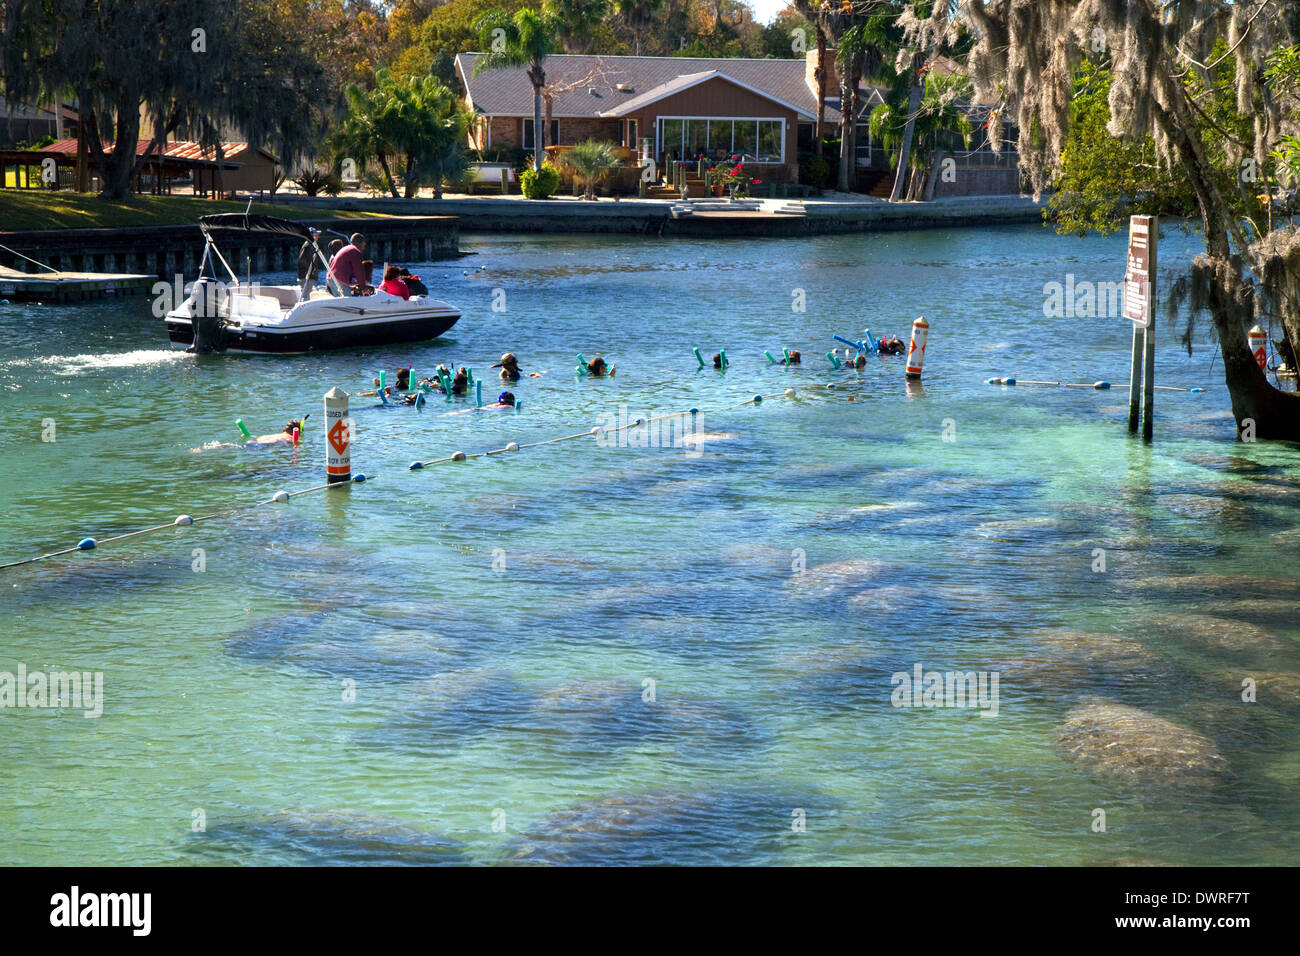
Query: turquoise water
x=498, y=619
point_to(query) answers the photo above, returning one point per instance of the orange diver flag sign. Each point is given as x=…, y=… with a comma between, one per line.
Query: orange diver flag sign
x=338, y=437
x=1138, y=281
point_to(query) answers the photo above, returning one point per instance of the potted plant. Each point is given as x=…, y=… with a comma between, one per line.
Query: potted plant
x=732, y=179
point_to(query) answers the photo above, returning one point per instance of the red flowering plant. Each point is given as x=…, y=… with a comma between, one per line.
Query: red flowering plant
x=733, y=178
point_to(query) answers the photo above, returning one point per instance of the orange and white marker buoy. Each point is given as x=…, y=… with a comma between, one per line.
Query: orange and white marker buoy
x=916, y=348
x=1258, y=339
x=338, y=437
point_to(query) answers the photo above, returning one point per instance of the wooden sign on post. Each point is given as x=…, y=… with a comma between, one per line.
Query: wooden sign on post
x=1139, y=308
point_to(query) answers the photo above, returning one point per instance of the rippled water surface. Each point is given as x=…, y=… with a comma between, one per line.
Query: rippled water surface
x=584, y=653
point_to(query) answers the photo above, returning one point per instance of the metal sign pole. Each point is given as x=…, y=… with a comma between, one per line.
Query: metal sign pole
x=1149, y=373
x=1139, y=308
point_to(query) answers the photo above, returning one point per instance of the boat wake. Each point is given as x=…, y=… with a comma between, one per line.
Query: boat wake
x=79, y=364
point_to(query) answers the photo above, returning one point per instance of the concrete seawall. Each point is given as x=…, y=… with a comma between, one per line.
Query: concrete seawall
x=165, y=251
x=655, y=217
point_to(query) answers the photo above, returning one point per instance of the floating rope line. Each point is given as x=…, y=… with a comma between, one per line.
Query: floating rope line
x=1099, y=386
x=180, y=521
x=184, y=520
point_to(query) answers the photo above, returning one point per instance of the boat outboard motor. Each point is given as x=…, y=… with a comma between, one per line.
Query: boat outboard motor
x=205, y=318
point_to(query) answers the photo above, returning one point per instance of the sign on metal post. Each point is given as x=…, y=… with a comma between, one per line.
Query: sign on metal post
x=1139, y=308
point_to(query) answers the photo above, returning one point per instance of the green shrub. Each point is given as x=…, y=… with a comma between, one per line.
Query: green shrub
x=539, y=183
x=815, y=171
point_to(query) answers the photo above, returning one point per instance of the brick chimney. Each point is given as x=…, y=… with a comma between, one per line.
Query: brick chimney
x=810, y=65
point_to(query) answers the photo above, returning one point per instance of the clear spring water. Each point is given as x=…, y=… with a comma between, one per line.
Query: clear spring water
x=499, y=618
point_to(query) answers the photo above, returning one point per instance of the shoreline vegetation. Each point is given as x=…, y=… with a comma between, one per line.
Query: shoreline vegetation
x=23, y=211
x=46, y=213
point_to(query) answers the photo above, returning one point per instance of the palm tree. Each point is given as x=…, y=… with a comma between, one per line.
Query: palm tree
x=852, y=49
x=525, y=39
x=430, y=126
x=936, y=117
x=913, y=107
x=591, y=160
x=637, y=14
x=577, y=18
x=367, y=128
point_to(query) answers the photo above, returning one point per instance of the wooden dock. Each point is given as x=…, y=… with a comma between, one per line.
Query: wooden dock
x=69, y=286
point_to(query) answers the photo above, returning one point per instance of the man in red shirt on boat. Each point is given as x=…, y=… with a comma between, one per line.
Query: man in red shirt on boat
x=348, y=267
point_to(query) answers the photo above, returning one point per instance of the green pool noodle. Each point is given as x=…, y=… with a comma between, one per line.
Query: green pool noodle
x=769, y=356
x=583, y=364
x=834, y=359
x=240, y=422
x=787, y=356
x=383, y=380
x=698, y=358
x=723, y=354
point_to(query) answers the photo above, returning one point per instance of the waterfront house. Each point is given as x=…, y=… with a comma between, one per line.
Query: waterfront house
x=677, y=110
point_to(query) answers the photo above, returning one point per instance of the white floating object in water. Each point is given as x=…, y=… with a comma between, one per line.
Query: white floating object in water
x=280, y=496
x=513, y=446
x=183, y=519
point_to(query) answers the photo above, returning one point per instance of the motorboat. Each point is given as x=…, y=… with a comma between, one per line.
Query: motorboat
x=219, y=315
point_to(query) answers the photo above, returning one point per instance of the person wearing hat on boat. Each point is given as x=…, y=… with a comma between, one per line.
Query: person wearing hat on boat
x=348, y=264
x=308, y=265
x=509, y=366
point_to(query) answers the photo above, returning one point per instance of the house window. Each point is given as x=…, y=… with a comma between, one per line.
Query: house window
x=688, y=137
x=629, y=137
x=528, y=133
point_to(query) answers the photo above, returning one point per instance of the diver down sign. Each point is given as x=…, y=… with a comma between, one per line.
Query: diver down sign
x=1139, y=283
x=338, y=437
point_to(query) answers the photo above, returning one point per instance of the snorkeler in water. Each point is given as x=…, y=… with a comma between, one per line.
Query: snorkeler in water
x=509, y=366
x=890, y=345
x=290, y=436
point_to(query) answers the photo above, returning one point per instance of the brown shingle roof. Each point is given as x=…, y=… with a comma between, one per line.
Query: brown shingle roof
x=507, y=92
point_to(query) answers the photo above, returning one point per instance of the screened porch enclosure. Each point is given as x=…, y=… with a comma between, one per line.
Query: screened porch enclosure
x=686, y=138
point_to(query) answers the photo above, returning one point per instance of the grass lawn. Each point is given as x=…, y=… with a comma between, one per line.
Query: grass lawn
x=21, y=209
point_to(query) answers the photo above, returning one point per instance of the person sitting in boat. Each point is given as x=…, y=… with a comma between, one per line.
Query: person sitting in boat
x=890, y=345
x=393, y=283
x=509, y=366
x=348, y=264
x=599, y=368
x=413, y=283
x=308, y=265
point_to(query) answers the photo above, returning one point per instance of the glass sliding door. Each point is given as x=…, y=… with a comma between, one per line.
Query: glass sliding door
x=697, y=138
x=670, y=139
x=744, y=138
